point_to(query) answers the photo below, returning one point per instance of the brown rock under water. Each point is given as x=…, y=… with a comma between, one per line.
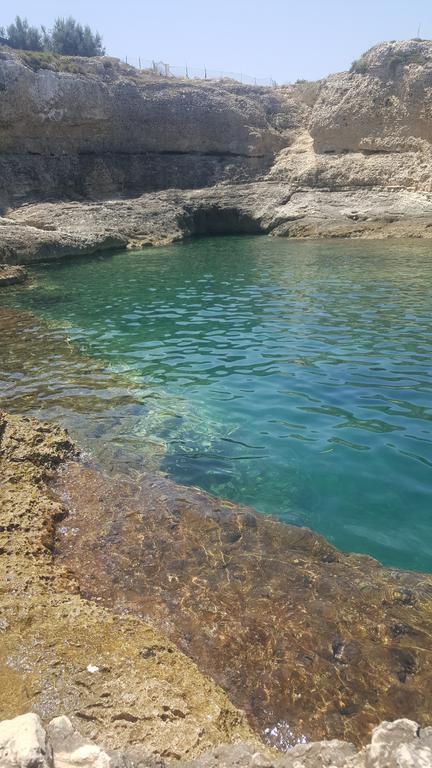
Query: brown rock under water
x=118, y=680
x=10, y=275
x=308, y=640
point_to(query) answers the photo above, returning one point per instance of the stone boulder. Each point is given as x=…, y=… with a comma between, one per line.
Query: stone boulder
x=401, y=744
x=71, y=750
x=24, y=743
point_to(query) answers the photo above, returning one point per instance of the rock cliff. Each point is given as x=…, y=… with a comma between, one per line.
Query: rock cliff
x=110, y=129
x=348, y=156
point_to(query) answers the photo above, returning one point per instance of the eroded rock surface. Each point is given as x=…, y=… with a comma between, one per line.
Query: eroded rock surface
x=47, y=231
x=118, y=680
x=311, y=642
x=111, y=129
x=349, y=156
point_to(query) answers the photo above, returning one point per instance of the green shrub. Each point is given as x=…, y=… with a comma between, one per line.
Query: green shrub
x=403, y=58
x=359, y=67
x=37, y=60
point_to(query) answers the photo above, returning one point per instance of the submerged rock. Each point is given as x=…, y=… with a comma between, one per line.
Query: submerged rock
x=312, y=643
x=9, y=275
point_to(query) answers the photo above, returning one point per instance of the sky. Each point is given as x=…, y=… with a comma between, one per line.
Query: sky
x=262, y=38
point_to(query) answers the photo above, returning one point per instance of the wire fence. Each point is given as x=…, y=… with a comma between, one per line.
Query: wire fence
x=197, y=73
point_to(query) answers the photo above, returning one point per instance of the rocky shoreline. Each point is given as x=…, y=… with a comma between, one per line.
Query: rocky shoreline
x=119, y=681
x=24, y=742
x=155, y=620
x=123, y=684
x=45, y=231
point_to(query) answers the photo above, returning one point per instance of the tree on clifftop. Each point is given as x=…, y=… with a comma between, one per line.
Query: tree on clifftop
x=67, y=37
x=72, y=39
x=21, y=35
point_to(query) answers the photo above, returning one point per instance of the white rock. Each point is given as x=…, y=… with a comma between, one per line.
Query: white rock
x=396, y=745
x=60, y=729
x=24, y=743
x=71, y=750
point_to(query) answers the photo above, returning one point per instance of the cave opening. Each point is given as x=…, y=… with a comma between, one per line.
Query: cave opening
x=218, y=220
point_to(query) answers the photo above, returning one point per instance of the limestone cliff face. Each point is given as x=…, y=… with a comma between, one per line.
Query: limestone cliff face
x=109, y=129
x=383, y=105
x=349, y=156
x=373, y=125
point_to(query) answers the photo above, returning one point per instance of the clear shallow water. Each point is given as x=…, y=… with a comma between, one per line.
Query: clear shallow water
x=292, y=376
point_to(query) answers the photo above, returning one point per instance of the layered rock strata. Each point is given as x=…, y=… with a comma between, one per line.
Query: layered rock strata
x=110, y=129
x=349, y=156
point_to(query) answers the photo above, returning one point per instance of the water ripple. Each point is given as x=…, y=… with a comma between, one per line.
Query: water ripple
x=296, y=377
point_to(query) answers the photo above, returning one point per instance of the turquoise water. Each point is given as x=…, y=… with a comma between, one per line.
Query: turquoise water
x=292, y=376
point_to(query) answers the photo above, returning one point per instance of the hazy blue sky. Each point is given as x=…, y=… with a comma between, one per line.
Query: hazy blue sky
x=279, y=38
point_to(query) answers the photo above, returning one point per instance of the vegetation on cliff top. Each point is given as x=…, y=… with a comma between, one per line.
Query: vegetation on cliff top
x=67, y=37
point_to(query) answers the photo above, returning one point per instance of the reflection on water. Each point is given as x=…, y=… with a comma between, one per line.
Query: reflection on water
x=295, y=377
